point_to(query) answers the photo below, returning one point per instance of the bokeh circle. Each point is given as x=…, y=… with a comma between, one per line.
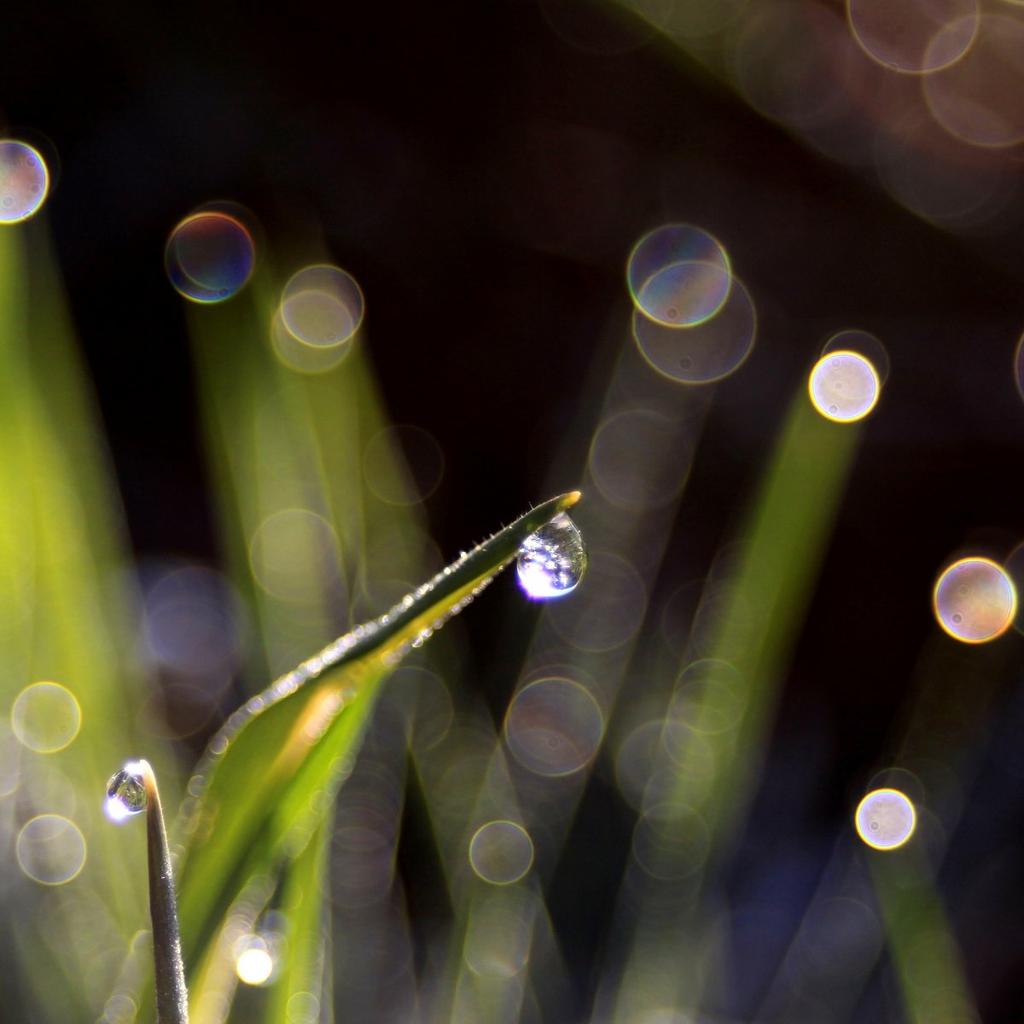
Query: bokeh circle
x=24, y=181
x=553, y=726
x=704, y=352
x=46, y=717
x=322, y=306
x=50, y=849
x=209, y=256
x=974, y=600
x=901, y=34
x=885, y=819
x=844, y=386
x=678, y=275
x=501, y=852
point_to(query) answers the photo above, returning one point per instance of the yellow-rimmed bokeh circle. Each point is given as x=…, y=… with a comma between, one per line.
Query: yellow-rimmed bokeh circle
x=46, y=717
x=885, y=819
x=844, y=386
x=974, y=600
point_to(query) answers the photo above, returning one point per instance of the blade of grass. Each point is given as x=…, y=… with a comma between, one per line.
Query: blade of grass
x=637, y=539
x=302, y=906
x=62, y=585
x=928, y=963
x=215, y=980
x=261, y=770
x=263, y=462
x=284, y=441
x=785, y=537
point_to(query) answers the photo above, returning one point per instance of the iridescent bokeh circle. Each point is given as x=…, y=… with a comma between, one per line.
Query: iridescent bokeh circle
x=703, y=352
x=678, y=275
x=209, y=256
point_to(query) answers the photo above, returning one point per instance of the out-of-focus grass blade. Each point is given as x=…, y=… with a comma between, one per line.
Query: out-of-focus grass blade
x=297, y=948
x=60, y=598
x=263, y=461
x=928, y=963
x=287, y=446
x=784, y=541
x=302, y=907
x=268, y=775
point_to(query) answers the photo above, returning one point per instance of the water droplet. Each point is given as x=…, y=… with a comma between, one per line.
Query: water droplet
x=551, y=562
x=126, y=793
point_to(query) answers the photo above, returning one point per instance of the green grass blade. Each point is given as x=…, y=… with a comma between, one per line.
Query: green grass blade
x=302, y=906
x=783, y=544
x=66, y=614
x=257, y=786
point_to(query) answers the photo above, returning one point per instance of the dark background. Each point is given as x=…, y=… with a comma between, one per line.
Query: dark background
x=484, y=179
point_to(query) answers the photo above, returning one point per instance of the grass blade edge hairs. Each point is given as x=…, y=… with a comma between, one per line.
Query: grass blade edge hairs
x=252, y=783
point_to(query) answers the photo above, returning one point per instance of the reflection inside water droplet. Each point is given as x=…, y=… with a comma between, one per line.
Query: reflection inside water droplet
x=126, y=793
x=552, y=561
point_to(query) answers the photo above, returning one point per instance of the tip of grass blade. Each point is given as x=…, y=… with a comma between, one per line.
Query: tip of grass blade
x=169, y=970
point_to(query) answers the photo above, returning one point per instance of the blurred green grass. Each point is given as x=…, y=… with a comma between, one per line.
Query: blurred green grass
x=313, y=549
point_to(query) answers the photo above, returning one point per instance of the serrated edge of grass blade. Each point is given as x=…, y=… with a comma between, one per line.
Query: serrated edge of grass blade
x=476, y=567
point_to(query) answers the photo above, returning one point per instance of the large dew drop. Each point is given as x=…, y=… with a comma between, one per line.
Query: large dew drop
x=552, y=561
x=126, y=793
